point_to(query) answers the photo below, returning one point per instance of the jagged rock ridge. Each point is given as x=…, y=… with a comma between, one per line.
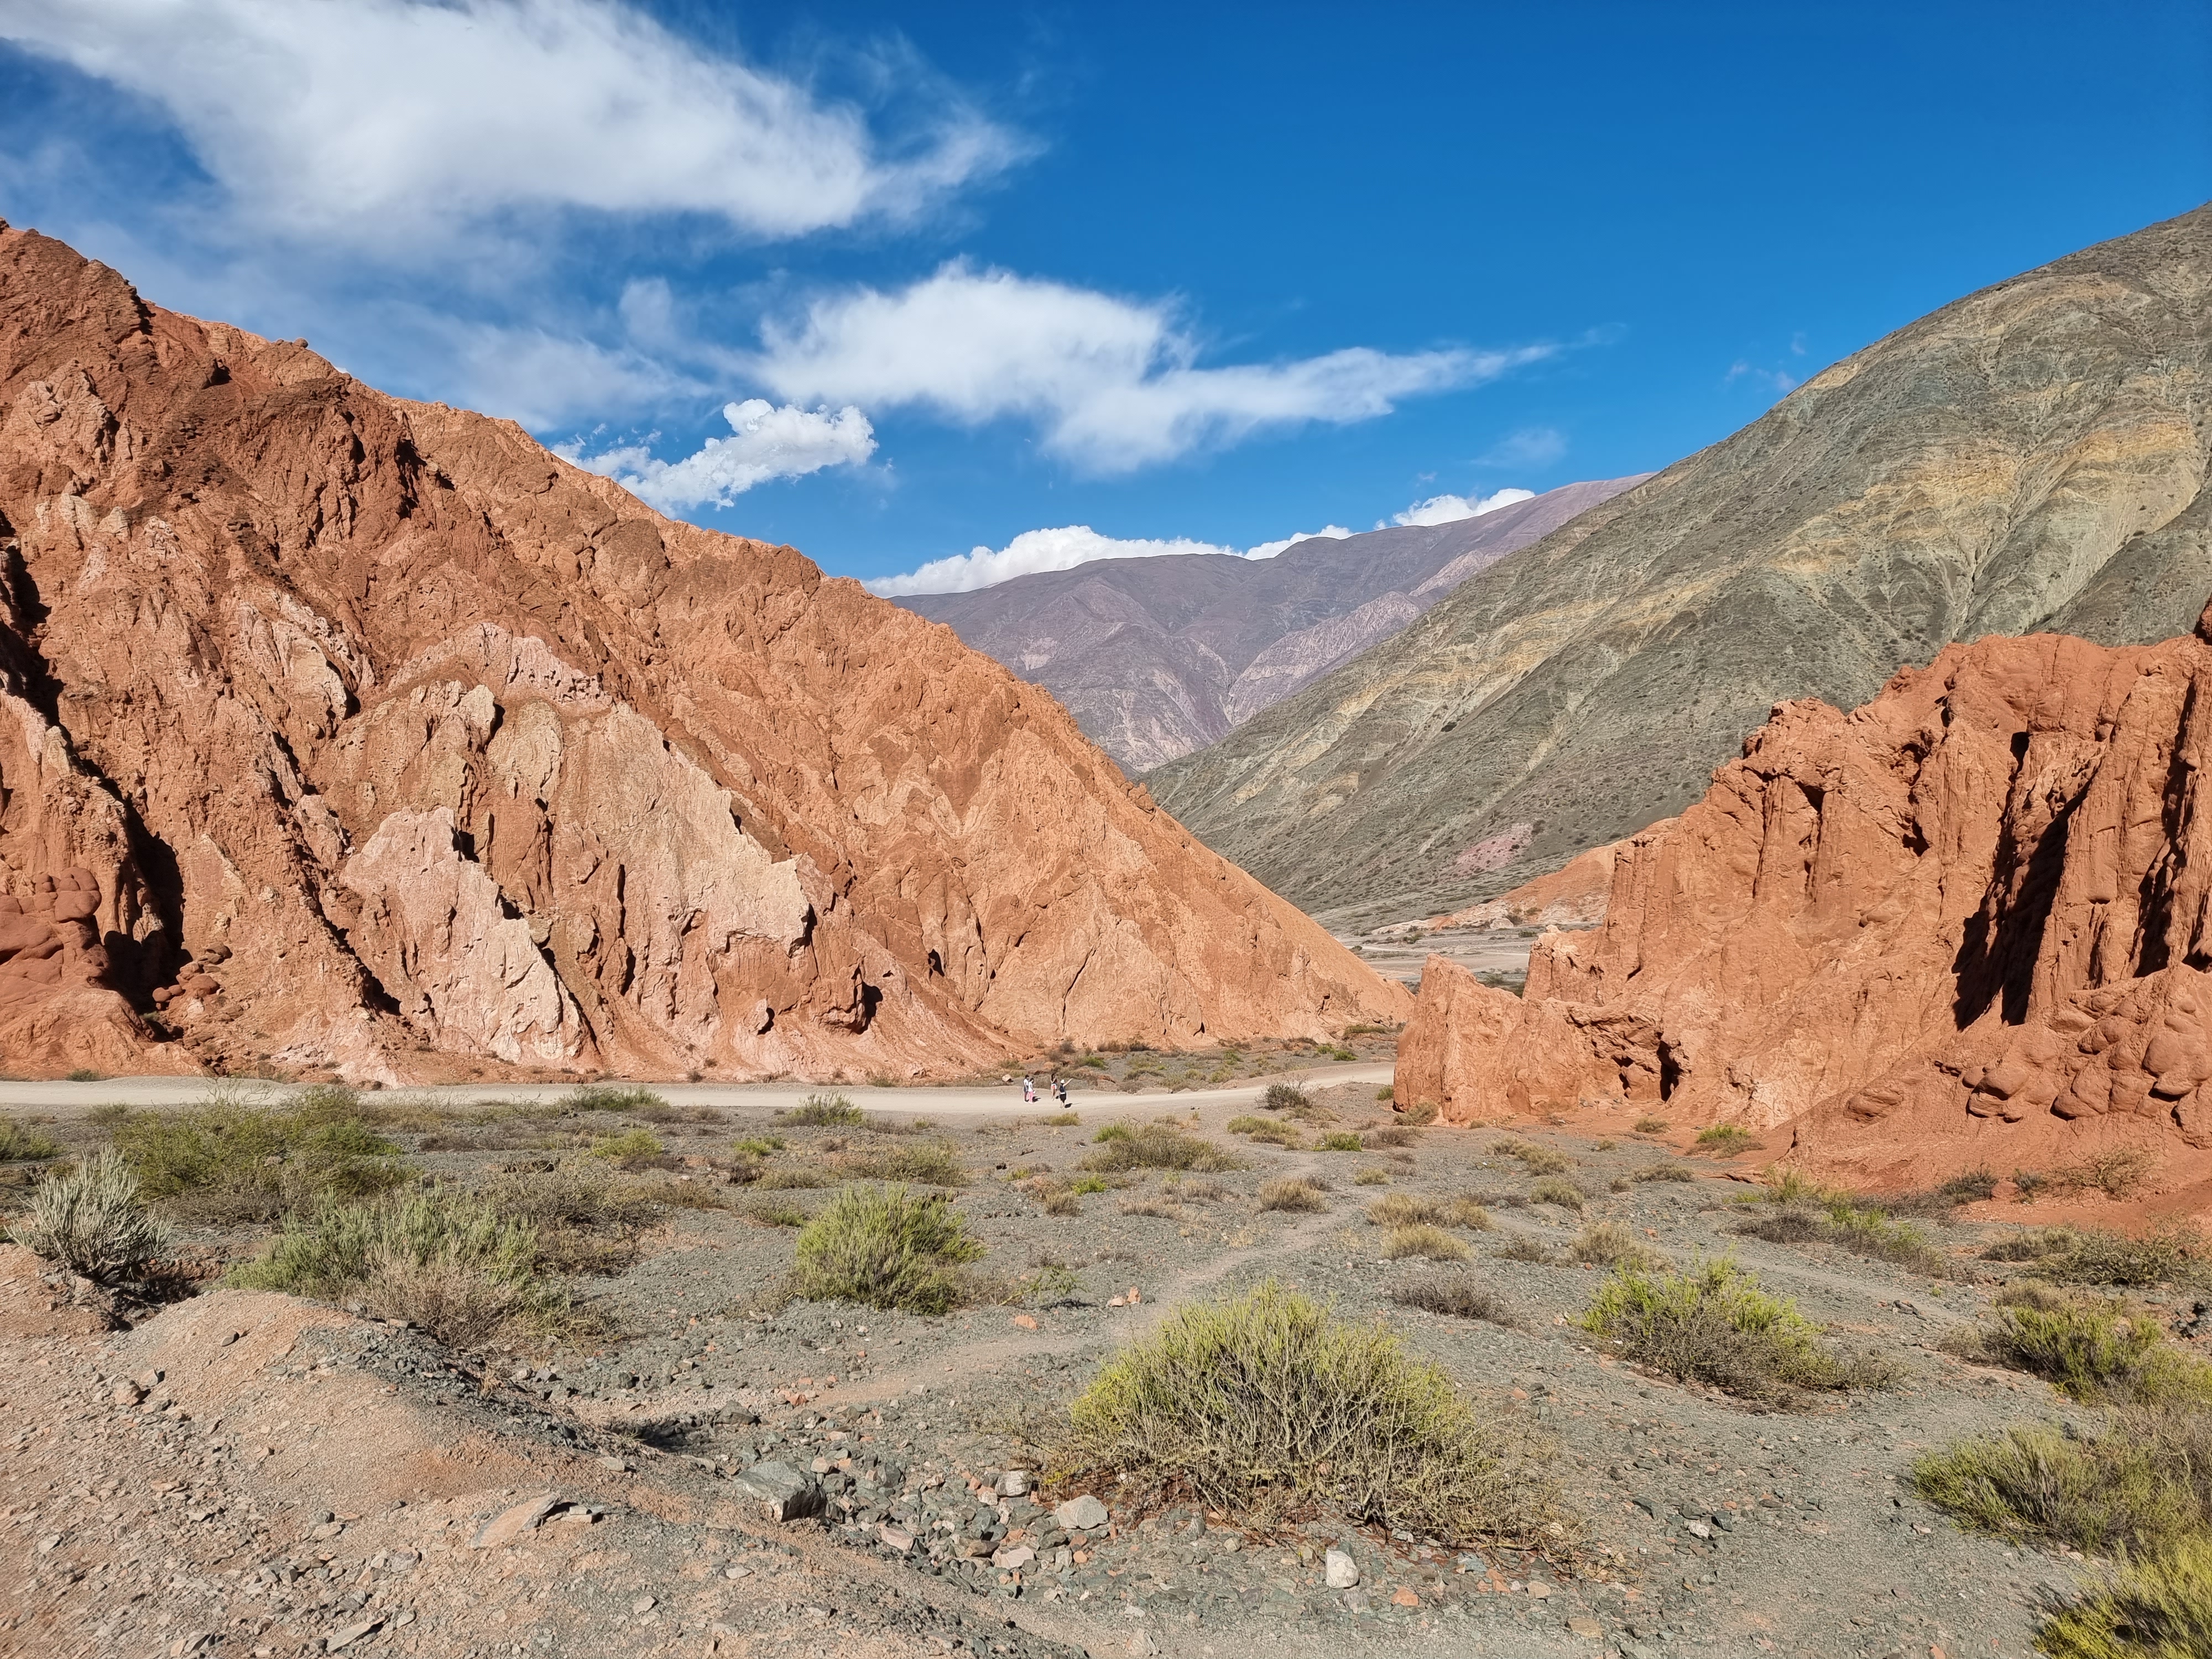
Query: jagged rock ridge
x=2031, y=458
x=383, y=740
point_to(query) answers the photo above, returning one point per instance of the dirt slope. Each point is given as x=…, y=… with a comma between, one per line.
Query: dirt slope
x=380, y=739
x=2030, y=458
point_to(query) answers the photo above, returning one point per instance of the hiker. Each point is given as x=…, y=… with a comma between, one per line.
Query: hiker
x=1060, y=1090
x=1028, y=1092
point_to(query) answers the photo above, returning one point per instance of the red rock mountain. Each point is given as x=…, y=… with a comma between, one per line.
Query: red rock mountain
x=1969, y=924
x=345, y=732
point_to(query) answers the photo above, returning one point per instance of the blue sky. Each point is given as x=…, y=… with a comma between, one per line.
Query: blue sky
x=962, y=273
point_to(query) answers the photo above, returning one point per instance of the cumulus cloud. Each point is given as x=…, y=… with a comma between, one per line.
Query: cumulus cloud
x=1449, y=509
x=377, y=121
x=766, y=443
x=1061, y=549
x=1113, y=383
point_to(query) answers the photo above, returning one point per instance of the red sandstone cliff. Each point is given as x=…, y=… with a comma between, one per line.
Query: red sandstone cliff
x=336, y=731
x=1969, y=923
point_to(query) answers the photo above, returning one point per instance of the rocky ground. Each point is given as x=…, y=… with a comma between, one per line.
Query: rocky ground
x=243, y=1474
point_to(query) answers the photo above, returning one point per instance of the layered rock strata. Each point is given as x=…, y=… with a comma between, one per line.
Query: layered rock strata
x=1967, y=924
x=377, y=737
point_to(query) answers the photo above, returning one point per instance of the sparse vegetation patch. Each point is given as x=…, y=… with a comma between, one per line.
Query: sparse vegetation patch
x=885, y=1248
x=91, y=1221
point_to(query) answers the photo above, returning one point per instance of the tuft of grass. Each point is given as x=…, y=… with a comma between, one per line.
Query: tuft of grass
x=1457, y=1295
x=1286, y=1097
x=1553, y=1190
x=454, y=1263
x=1713, y=1324
x=1969, y=1187
x=86, y=1074
x=1340, y=1141
x=612, y=1098
x=824, y=1112
x=1062, y=1120
x=1726, y=1141
x=759, y=1145
x=1610, y=1244
x=92, y=1220
x=2177, y=1255
x=629, y=1149
x=1390, y=1134
x=20, y=1145
x=2157, y=1606
x=1789, y=1225
x=1522, y=1248
x=1537, y=1160
x=2117, y=1171
x=1666, y=1172
x=587, y=1219
x=2141, y=1483
x=2090, y=1349
x=1386, y=1094
x=1291, y=1195
x=1267, y=1405
x=1058, y=1201
x=1420, y=1112
x=885, y=1248
x=1263, y=1128
x=1158, y=1146
x=232, y=1158
x=1371, y=1176
x=1651, y=1126
x=794, y=1178
x=933, y=1163
x=1421, y=1239
x=770, y=1213
x=1403, y=1209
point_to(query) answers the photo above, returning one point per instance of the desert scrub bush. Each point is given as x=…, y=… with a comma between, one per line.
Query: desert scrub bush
x=1158, y=1146
x=629, y=1149
x=2115, y=1171
x=586, y=1219
x=1390, y=1134
x=1386, y=1094
x=1666, y=1172
x=935, y=1163
x=1871, y=1233
x=1422, y=1239
x=885, y=1248
x=794, y=1178
x=767, y=1212
x=232, y=1158
x=1403, y=1209
x=1457, y=1296
x=2155, y=1607
x=1537, y=1160
x=1164, y=1209
x=1522, y=1248
x=2171, y=1254
x=452, y=1261
x=93, y=1220
x=1060, y=1200
x=1610, y=1244
x=1371, y=1176
x=1061, y=1119
x=1713, y=1324
x=1726, y=1141
x=1339, y=1141
x=22, y=1145
x=611, y=1098
x=1421, y=1112
x=2142, y=1482
x=1267, y=1405
x=1789, y=1226
x=1968, y=1187
x=1553, y=1190
x=2088, y=1348
x=757, y=1146
x=1651, y=1126
x=1264, y=1128
x=824, y=1112
x=1284, y=1097
x=1292, y=1194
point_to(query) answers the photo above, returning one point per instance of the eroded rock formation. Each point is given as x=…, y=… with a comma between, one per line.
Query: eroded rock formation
x=341, y=731
x=1969, y=923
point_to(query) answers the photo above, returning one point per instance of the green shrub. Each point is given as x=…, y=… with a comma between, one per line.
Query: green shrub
x=2171, y=1254
x=1286, y=1097
x=630, y=1147
x=1537, y=1160
x=91, y=1220
x=1420, y=1112
x=1969, y=1186
x=1713, y=1324
x=20, y=1145
x=2116, y=1172
x=86, y=1074
x=1666, y=1172
x=1870, y=1233
x=1403, y=1209
x=883, y=1247
x=824, y=1112
x=1371, y=1176
x=769, y=1214
x=1089, y=1183
x=586, y=1221
x=1386, y=1094
x=2157, y=1607
x=1294, y=1195
x=1266, y=1406
x=231, y=1158
x=1457, y=1296
x=1158, y=1146
x=611, y=1097
x=1263, y=1128
x=934, y=1163
x=1424, y=1240
x=1522, y=1248
x=1096, y=1061
x=1726, y=1141
x=2141, y=1483
x=759, y=1145
x=2091, y=1350
x=1111, y=1132
x=1340, y=1141
x=453, y=1262
x=1610, y=1244
x=1553, y=1190
x=1061, y=1121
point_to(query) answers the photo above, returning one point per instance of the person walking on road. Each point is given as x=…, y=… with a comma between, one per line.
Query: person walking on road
x=1028, y=1092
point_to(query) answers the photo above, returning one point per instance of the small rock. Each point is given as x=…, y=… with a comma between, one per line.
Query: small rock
x=1014, y=1483
x=1014, y=1559
x=349, y=1635
x=1084, y=1514
x=897, y=1537
x=523, y=1517
x=1404, y=1596
x=1581, y=1625
x=1024, y=1322
x=1697, y=1530
x=782, y=1491
x=126, y=1394
x=643, y=1604
x=1343, y=1572
x=1538, y=1590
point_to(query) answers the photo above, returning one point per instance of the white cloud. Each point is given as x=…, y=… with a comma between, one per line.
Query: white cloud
x=1063, y=548
x=1449, y=509
x=1531, y=447
x=1113, y=383
x=374, y=122
x=1334, y=533
x=767, y=443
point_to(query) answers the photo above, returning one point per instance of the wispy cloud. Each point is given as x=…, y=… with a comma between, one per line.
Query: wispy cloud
x=766, y=443
x=1449, y=509
x=1779, y=380
x=384, y=124
x=1531, y=447
x=1114, y=384
x=1061, y=549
